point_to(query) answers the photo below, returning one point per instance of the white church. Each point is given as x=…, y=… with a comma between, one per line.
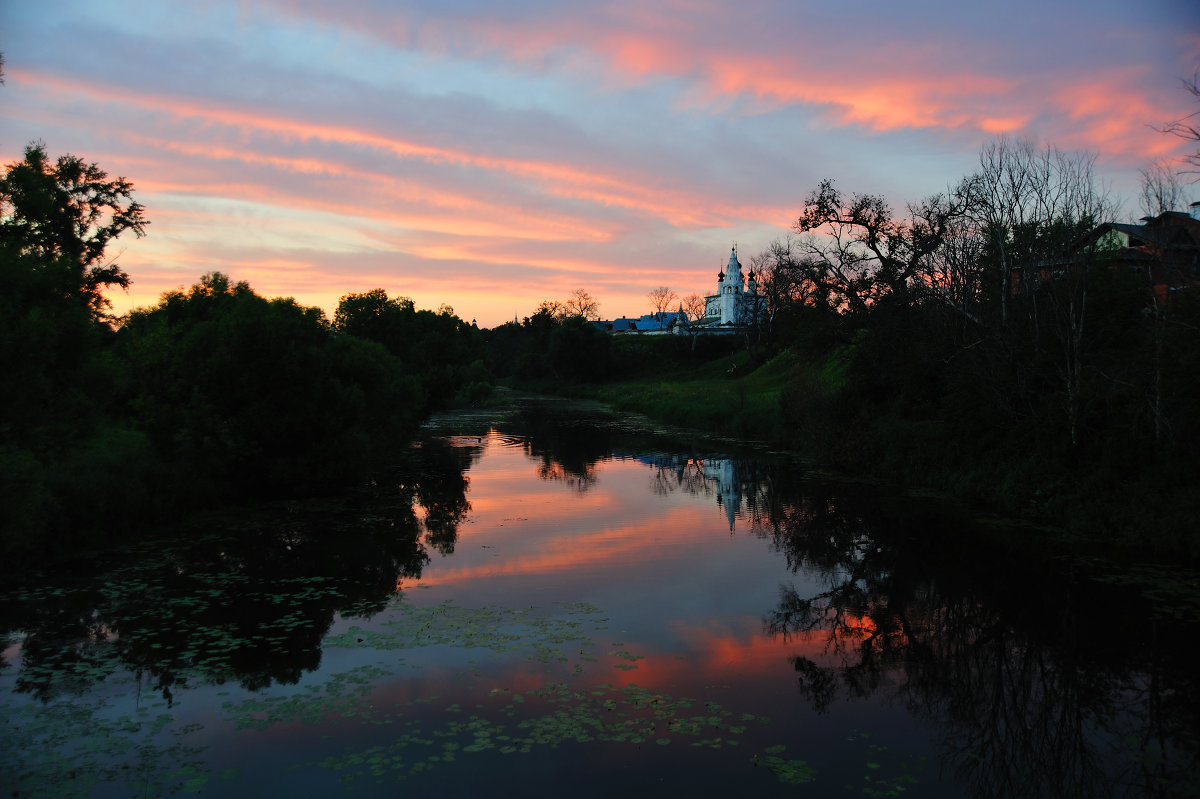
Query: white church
x=737, y=302
x=736, y=306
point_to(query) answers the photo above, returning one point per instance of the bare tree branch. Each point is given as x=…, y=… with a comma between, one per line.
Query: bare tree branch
x=1188, y=127
x=661, y=299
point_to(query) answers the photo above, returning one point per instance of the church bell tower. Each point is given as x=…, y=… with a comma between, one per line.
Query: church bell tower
x=730, y=289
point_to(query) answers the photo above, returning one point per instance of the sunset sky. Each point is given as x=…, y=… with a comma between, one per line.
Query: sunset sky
x=489, y=155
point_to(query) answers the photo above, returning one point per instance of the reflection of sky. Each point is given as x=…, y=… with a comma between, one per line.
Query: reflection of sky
x=665, y=566
x=492, y=155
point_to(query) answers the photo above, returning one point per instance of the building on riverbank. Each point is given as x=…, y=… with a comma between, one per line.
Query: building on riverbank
x=737, y=299
x=736, y=306
x=1164, y=249
x=663, y=322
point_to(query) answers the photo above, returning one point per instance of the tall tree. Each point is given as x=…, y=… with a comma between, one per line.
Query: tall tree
x=56, y=220
x=58, y=217
x=1032, y=203
x=1161, y=190
x=693, y=305
x=580, y=303
x=661, y=299
x=954, y=274
x=861, y=253
x=789, y=281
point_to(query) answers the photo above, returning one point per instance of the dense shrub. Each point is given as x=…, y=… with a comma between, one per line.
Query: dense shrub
x=258, y=395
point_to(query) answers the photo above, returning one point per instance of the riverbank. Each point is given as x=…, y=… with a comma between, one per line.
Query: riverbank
x=718, y=390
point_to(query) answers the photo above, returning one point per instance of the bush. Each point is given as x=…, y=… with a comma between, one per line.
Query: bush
x=259, y=396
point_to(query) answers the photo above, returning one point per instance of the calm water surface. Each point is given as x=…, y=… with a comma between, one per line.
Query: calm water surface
x=544, y=606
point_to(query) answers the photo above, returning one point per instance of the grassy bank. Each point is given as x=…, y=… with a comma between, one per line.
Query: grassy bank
x=715, y=388
x=726, y=396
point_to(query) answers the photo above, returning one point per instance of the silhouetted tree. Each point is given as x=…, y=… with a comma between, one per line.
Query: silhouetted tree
x=796, y=304
x=254, y=395
x=693, y=306
x=440, y=349
x=661, y=299
x=1032, y=203
x=581, y=303
x=863, y=255
x=57, y=219
x=1161, y=190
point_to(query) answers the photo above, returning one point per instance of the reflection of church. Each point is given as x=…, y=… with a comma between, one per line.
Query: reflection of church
x=721, y=476
x=724, y=473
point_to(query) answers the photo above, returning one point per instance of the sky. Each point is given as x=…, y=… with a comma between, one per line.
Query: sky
x=490, y=155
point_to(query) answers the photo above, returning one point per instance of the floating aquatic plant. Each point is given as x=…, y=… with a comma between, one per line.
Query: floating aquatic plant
x=429, y=733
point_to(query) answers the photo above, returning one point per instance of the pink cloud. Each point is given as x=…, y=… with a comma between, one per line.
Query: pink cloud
x=958, y=81
x=640, y=194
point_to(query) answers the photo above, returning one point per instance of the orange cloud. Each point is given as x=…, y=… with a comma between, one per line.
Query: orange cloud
x=1110, y=118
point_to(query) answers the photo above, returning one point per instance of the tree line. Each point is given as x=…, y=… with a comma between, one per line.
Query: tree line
x=215, y=395
x=995, y=339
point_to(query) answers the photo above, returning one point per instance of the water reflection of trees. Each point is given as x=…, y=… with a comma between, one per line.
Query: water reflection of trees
x=246, y=598
x=739, y=486
x=565, y=443
x=679, y=473
x=439, y=484
x=568, y=440
x=1040, y=684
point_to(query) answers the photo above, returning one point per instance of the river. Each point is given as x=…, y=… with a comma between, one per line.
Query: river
x=549, y=602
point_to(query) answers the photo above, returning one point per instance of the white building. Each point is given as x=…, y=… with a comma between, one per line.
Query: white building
x=736, y=306
x=737, y=299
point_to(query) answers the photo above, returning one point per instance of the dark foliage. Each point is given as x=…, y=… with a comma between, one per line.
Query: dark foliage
x=550, y=349
x=443, y=351
x=1069, y=398
x=256, y=395
x=214, y=396
x=61, y=216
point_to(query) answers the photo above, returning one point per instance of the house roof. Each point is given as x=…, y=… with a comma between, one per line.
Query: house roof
x=1170, y=229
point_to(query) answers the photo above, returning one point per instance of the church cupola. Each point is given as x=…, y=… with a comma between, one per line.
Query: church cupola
x=733, y=270
x=729, y=287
